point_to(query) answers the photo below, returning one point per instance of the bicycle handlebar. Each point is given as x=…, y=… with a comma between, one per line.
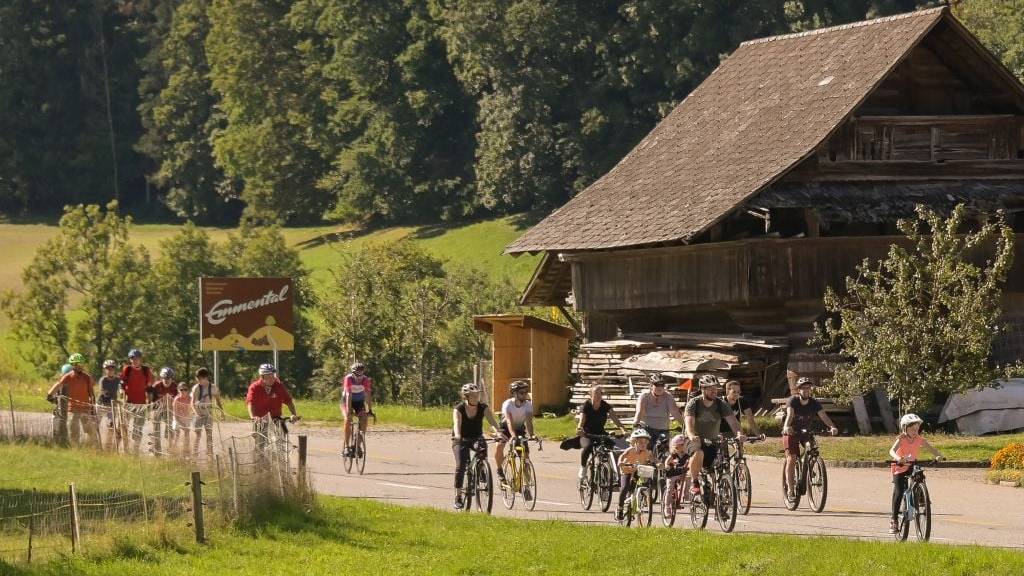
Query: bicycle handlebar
x=915, y=462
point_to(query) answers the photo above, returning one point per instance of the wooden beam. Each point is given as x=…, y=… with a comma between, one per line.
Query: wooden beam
x=860, y=412
x=885, y=409
x=910, y=170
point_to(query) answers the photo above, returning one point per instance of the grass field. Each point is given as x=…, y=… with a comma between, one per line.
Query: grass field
x=876, y=448
x=343, y=535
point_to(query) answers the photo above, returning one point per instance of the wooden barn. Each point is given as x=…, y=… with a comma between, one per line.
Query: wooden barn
x=773, y=179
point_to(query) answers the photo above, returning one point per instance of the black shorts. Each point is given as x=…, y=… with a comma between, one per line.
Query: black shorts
x=710, y=452
x=359, y=407
x=503, y=427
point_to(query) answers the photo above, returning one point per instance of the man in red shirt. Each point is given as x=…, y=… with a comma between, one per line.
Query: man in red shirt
x=266, y=396
x=136, y=381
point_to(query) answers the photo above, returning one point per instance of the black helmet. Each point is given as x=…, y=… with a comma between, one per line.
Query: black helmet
x=517, y=385
x=655, y=378
x=804, y=381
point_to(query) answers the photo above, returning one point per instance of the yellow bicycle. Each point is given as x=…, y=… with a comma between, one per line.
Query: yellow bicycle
x=520, y=477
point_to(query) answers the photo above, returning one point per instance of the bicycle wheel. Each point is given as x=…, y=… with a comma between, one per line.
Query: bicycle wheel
x=902, y=520
x=698, y=512
x=742, y=485
x=644, y=505
x=817, y=484
x=922, y=512
x=670, y=505
x=347, y=456
x=529, y=485
x=725, y=504
x=508, y=493
x=791, y=502
x=470, y=489
x=361, y=452
x=587, y=484
x=484, y=488
x=606, y=484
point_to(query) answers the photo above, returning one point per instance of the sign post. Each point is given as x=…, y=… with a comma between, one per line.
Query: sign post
x=246, y=314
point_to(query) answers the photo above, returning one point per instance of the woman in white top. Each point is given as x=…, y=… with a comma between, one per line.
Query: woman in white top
x=516, y=420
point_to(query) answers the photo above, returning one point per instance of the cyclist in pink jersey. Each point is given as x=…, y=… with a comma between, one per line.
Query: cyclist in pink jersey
x=905, y=450
x=356, y=398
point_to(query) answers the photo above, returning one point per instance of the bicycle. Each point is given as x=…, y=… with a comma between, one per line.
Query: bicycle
x=810, y=475
x=599, y=474
x=740, y=473
x=355, y=449
x=271, y=437
x=674, y=498
x=659, y=447
x=717, y=491
x=520, y=477
x=916, y=505
x=641, y=501
x=479, y=485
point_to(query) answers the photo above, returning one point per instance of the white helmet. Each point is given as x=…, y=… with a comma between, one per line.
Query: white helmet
x=469, y=388
x=639, y=433
x=909, y=419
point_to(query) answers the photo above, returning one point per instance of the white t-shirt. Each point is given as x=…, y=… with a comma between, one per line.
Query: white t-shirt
x=516, y=414
x=206, y=400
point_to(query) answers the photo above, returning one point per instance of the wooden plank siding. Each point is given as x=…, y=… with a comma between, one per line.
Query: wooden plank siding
x=743, y=272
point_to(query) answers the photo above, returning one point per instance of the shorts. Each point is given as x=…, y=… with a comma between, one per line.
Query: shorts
x=359, y=407
x=710, y=452
x=201, y=420
x=792, y=442
x=182, y=423
x=503, y=427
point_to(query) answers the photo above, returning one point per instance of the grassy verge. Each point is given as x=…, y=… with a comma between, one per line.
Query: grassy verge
x=875, y=448
x=386, y=539
x=28, y=466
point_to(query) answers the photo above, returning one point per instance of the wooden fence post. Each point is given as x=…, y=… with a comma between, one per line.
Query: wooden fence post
x=302, y=461
x=234, y=476
x=197, y=507
x=14, y=429
x=75, y=534
x=31, y=523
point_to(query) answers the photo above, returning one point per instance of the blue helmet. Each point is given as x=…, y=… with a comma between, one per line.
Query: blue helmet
x=267, y=369
x=65, y=369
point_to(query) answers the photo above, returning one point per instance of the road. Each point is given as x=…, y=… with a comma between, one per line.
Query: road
x=415, y=468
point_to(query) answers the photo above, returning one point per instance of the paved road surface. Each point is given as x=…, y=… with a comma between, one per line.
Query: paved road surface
x=415, y=468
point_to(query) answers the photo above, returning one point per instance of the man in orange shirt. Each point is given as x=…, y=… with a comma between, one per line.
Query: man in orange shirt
x=79, y=389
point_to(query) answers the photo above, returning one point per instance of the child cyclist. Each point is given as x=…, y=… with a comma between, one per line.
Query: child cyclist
x=905, y=451
x=676, y=463
x=637, y=453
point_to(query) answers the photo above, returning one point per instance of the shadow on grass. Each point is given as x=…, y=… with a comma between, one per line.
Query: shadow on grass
x=335, y=237
x=310, y=523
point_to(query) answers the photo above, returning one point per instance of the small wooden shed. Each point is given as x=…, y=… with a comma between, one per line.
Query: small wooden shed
x=528, y=348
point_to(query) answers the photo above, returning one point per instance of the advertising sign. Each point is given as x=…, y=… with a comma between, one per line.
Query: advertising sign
x=246, y=314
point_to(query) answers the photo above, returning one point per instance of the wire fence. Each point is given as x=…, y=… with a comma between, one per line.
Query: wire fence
x=237, y=476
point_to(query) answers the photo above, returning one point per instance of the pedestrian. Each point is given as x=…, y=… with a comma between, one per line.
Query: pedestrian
x=205, y=396
x=136, y=382
x=79, y=389
x=60, y=408
x=182, y=409
x=161, y=396
x=110, y=386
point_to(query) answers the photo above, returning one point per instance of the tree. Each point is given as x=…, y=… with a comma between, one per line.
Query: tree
x=173, y=336
x=921, y=322
x=1000, y=26
x=180, y=115
x=89, y=264
x=272, y=117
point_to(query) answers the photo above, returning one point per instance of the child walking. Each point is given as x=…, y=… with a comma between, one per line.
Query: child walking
x=905, y=451
x=182, y=408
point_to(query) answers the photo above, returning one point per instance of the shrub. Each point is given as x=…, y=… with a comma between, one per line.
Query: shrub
x=1008, y=464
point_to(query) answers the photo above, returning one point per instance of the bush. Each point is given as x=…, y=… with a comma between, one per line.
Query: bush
x=1008, y=464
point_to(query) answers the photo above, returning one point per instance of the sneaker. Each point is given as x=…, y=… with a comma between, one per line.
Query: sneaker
x=894, y=527
x=526, y=494
x=579, y=474
x=618, y=514
x=459, y=504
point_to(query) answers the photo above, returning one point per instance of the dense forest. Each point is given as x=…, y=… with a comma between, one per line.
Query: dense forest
x=376, y=111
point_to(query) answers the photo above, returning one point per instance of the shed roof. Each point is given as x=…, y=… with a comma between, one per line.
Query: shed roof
x=486, y=324
x=763, y=110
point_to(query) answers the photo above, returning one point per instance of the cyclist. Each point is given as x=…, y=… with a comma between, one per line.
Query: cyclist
x=136, y=381
x=205, y=396
x=467, y=428
x=675, y=467
x=655, y=409
x=356, y=398
x=740, y=408
x=800, y=412
x=161, y=396
x=594, y=414
x=516, y=420
x=704, y=415
x=110, y=385
x=637, y=453
x=266, y=395
x=905, y=450
x=79, y=388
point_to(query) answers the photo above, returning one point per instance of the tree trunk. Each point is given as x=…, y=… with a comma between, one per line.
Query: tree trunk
x=110, y=114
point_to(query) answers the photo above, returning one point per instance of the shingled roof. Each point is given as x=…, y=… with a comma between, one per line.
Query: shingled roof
x=765, y=108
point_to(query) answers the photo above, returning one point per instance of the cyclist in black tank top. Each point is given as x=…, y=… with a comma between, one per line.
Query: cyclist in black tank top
x=467, y=428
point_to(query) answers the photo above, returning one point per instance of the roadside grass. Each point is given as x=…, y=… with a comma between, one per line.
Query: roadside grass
x=876, y=448
x=387, y=539
x=45, y=468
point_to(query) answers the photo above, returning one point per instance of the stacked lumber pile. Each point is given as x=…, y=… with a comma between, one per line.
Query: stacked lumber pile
x=623, y=366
